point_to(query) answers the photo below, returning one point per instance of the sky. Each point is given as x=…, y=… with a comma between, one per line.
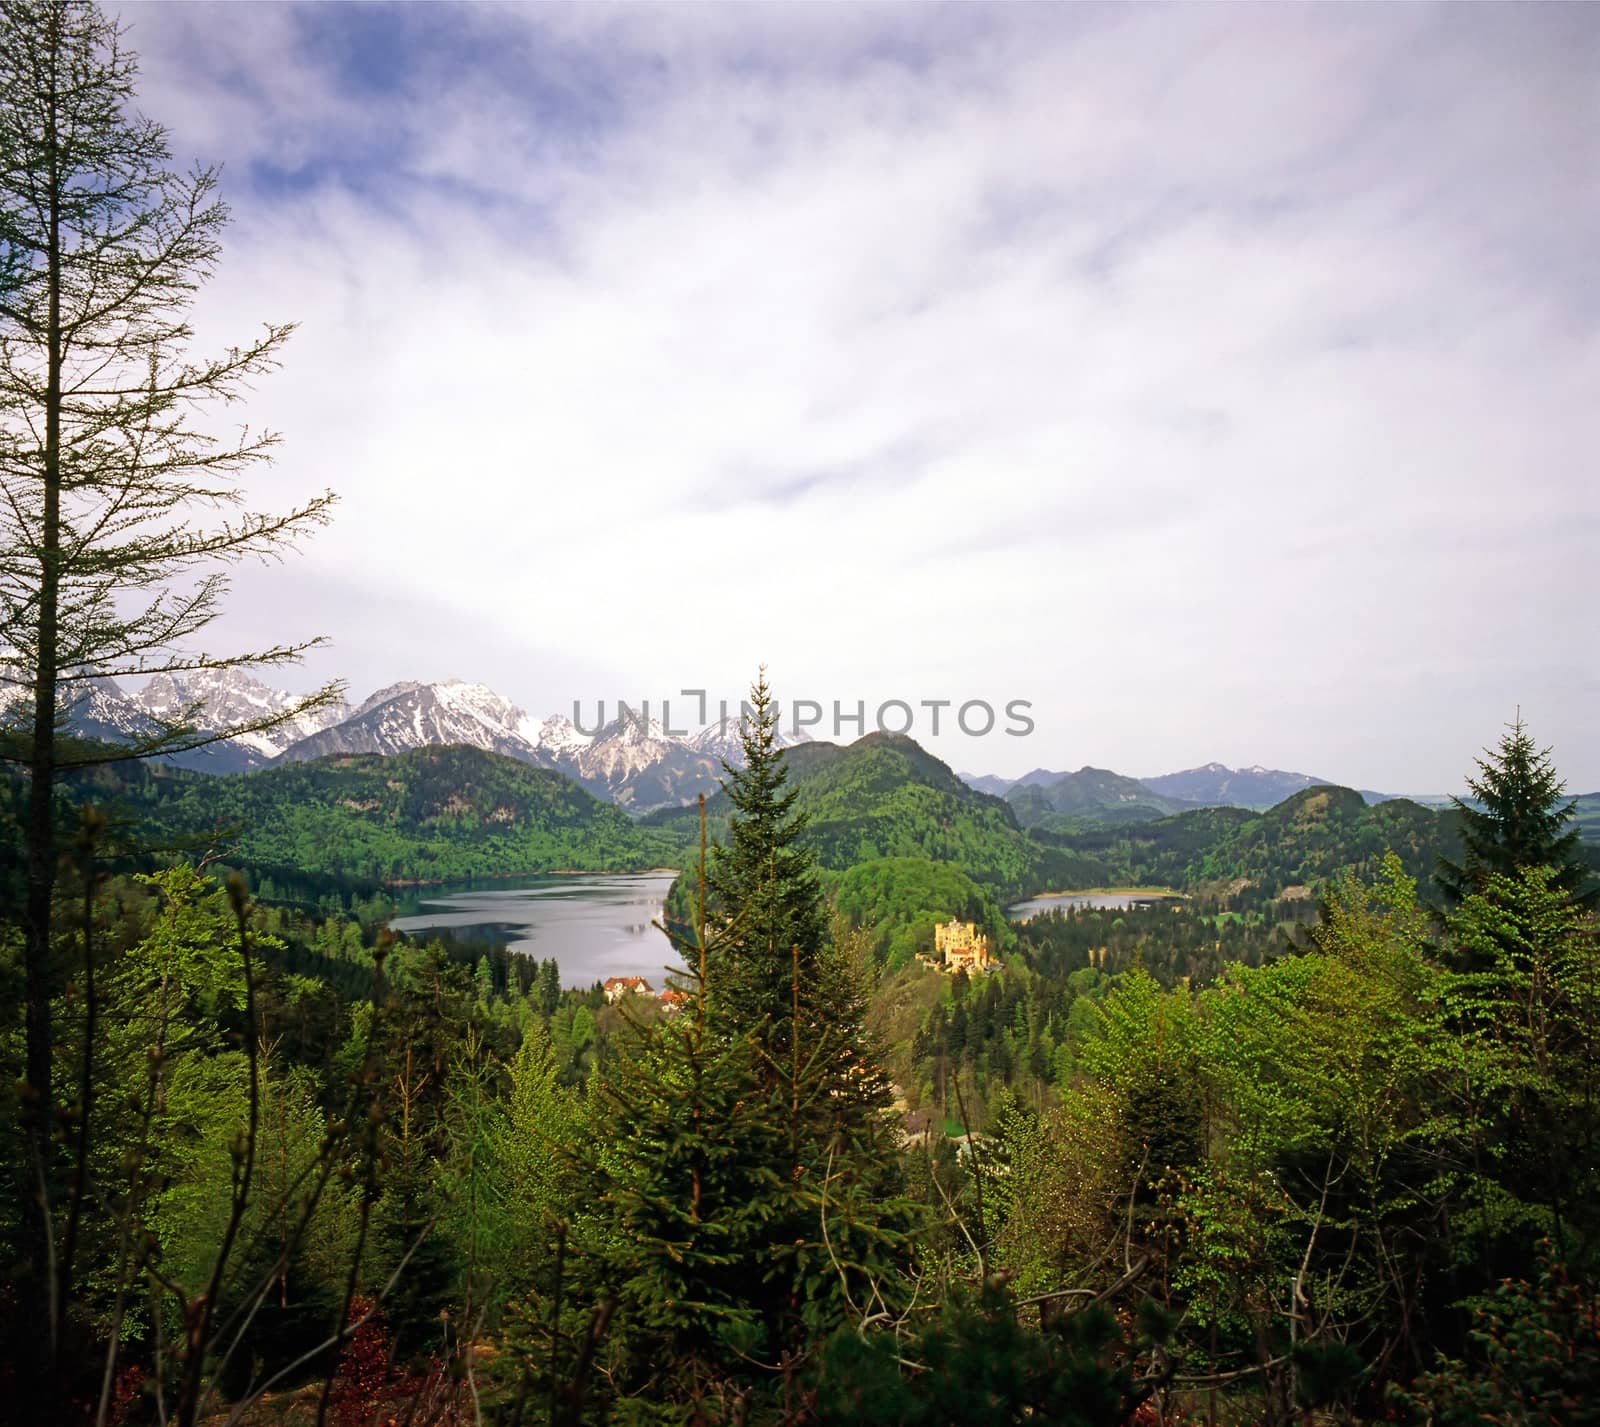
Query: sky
x=1221, y=381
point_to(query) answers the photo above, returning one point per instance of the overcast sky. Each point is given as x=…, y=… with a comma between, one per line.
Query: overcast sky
x=1222, y=380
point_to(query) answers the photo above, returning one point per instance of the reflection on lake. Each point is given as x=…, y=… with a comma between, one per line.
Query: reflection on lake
x=1054, y=902
x=595, y=926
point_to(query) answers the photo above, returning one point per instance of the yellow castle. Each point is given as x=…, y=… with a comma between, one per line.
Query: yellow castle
x=960, y=946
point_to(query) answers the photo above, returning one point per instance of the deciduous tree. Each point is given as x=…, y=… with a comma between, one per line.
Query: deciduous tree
x=120, y=508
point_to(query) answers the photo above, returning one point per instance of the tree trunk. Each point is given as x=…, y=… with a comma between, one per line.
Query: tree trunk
x=40, y=1310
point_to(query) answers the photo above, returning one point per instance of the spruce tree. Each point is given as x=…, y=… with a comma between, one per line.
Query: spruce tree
x=763, y=884
x=777, y=973
x=839, y=1229
x=1523, y=823
x=742, y=1150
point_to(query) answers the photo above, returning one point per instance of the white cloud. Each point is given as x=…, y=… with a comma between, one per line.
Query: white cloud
x=1221, y=380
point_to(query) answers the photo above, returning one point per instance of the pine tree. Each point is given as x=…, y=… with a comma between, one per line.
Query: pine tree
x=1522, y=823
x=687, y=1161
x=743, y=1148
x=839, y=1231
x=763, y=883
x=108, y=566
x=777, y=972
x=546, y=991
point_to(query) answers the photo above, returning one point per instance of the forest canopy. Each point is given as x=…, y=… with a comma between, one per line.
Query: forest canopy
x=1311, y=1137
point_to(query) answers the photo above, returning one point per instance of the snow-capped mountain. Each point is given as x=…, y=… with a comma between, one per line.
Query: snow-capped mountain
x=411, y=715
x=221, y=698
x=559, y=736
x=631, y=761
x=628, y=745
x=94, y=708
x=722, y=741
x=98, y=709
x=206, y=700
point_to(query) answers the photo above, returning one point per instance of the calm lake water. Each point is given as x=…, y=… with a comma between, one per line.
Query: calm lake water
x=1117, y=901
x=594, y=926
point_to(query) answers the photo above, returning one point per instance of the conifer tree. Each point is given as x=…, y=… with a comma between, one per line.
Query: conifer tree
x=741, y=1148
x=778, y=978
x=777, y=974
x=108, y=564
x=686, y=1161
x=763, y=883
x=1523, y=822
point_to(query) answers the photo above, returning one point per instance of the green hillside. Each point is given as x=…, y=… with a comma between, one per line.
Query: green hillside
x=1303, y=841
x=896, y=902
x=432, y=815
x=884, y=796
x=446, y=814
x=1089, y=795
x=1588, y=816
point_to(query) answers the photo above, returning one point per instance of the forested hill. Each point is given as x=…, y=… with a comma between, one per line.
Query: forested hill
x=1587, y=816
x=1093, y=794
x=887, y=796
x=1302, y=842
x=433, y=814
x=451, y=813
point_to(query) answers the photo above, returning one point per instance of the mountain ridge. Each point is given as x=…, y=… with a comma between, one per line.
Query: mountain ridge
x=1210, y=785
x=1095, y=793
x=631, y=761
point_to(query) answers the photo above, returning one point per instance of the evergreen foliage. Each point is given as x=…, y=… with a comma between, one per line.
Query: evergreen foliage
x=763, y=886
x=979, y=1362
x=1536, y=1359
x=1312, y=1169
x=1519, y=817
x=742, y=1147
x=885, y=797
x=272, y=1163
x=1308, y=839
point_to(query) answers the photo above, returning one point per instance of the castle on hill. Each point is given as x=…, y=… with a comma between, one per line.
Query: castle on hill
x=960, y=946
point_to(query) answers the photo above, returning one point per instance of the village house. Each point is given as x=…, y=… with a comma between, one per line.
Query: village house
x=619, y=986
x=672, y=1002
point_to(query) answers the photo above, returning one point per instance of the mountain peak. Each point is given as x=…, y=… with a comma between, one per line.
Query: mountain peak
x=382, y=696
x=1217, y=785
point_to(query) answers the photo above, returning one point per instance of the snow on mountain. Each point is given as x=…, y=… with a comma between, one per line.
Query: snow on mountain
x=206, y=700
x=411, y=715
x=99, y=709
x=212, y=699
x=722, y=741
x=631, y=761
x=557, y=735
x=631, y=745
x=383, y=696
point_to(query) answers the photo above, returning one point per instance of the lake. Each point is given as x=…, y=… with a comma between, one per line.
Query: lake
x=1113, y=901
x=594, y=925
